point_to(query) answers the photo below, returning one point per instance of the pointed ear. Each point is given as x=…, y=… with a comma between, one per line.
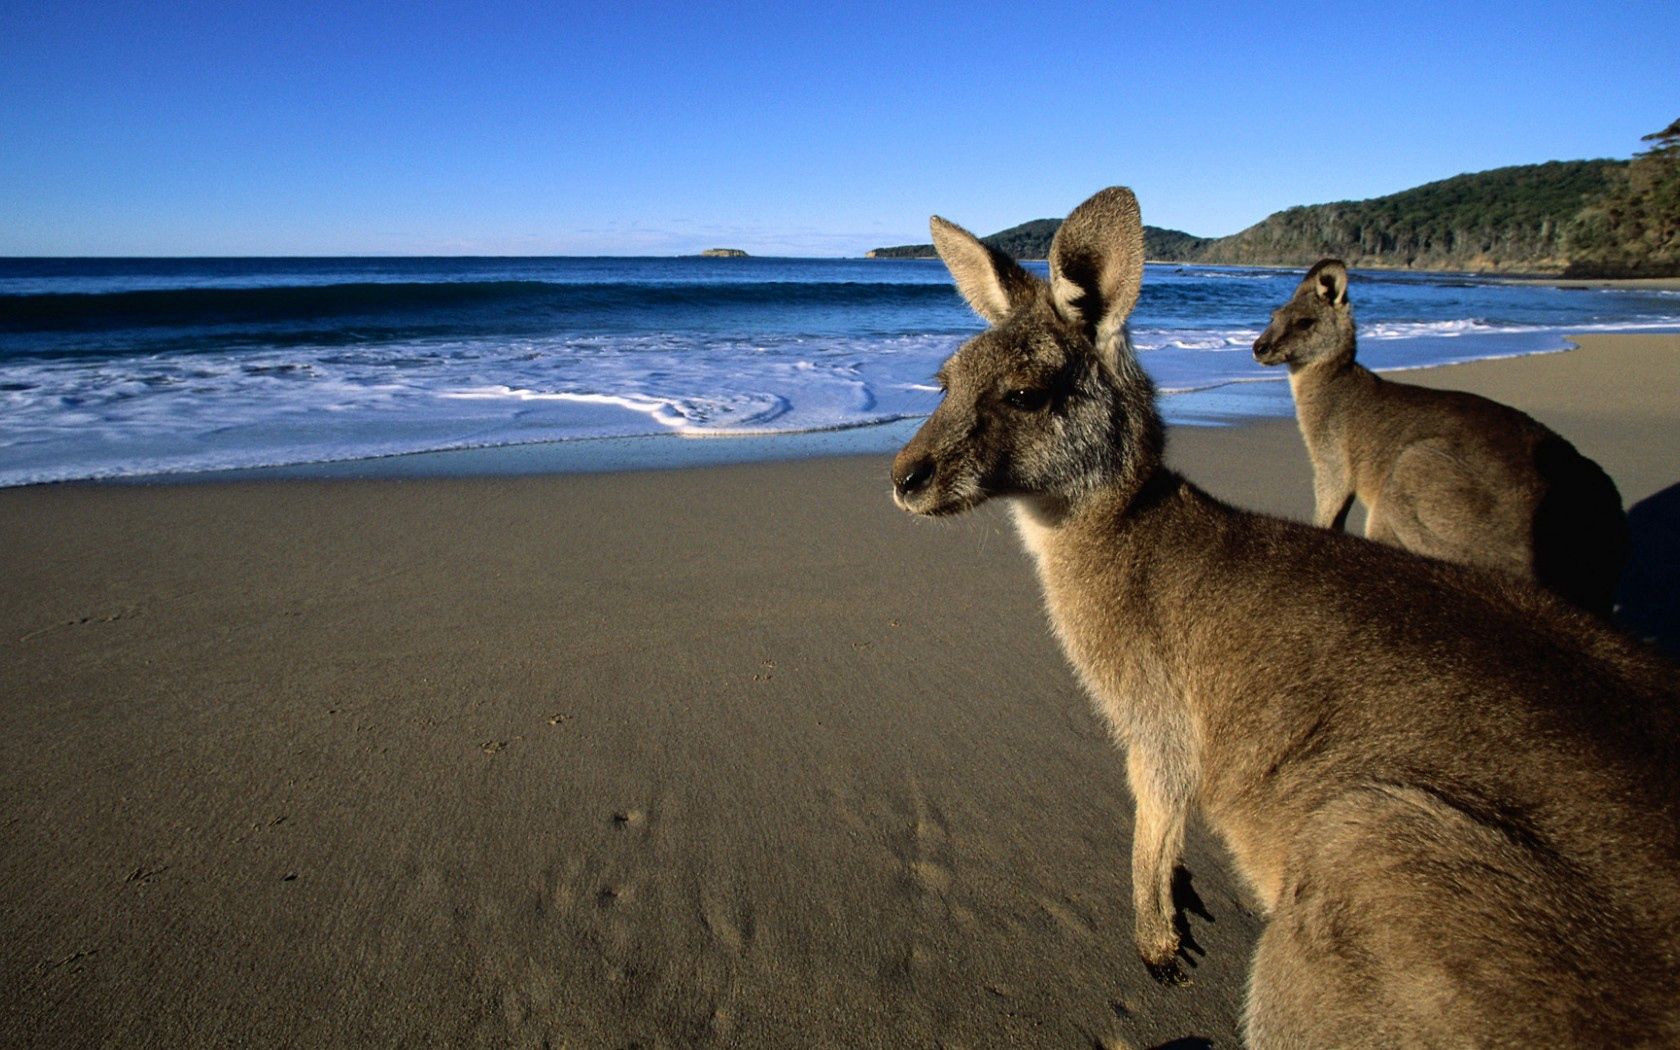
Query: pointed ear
x=992, y=282
x=1096, y=263
x=1328, y=280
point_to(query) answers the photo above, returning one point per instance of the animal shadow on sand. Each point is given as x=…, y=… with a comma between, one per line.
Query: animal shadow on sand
x=1648, y=601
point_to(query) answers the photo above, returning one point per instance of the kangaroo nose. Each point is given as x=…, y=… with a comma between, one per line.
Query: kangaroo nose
x=915, y=476
x=1261, y=345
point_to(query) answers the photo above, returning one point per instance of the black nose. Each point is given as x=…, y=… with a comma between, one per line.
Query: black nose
x=915, y=477
x=1261, y=346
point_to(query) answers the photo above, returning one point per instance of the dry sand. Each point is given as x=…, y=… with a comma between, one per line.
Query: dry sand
x=738, y=754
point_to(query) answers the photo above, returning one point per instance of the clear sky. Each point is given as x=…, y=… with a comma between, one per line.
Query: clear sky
x=495, y=127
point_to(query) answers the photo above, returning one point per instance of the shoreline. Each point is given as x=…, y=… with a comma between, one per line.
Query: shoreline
x=739, y=753
x=1661, y=283
x=1239, y=402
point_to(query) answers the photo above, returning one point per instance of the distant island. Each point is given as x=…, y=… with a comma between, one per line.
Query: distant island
x=723, y=253
x=1578, y=218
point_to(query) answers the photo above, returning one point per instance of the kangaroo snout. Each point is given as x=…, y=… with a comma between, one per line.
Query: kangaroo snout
x=928, y=479
x=911, y=473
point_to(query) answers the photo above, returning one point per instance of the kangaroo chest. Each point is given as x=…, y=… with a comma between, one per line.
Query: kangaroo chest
x=1110, y=640
x=1339, y=414
x=1319, y=415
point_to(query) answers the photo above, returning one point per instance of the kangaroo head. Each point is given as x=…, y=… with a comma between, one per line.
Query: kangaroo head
x=1315, y=324
x=1049, y=401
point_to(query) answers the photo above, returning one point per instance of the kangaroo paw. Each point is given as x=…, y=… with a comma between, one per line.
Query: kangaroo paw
x=1169, y=972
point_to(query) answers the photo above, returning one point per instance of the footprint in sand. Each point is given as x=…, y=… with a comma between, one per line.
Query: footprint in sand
x=731, y=927
x=722, y=1023
x=565, y=882
x=929, y=853
x=1066, y=919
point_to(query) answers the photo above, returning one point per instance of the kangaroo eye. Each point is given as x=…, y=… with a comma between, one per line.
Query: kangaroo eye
x=1303, y=323
x=1026, y=399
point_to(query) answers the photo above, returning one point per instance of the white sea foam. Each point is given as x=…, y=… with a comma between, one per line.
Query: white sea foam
x=67, y=417
x=62, y=419
x=1194, y=339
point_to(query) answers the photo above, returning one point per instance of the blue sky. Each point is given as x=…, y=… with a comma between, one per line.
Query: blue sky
x=513, y=128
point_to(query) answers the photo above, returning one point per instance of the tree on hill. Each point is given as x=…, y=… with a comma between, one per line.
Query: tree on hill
x=1634, y=229
x=1666, y=139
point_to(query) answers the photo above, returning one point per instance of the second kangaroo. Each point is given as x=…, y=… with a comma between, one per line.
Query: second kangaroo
x=1441, y=472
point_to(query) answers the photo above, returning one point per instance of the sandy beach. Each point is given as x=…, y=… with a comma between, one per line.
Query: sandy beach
x=1665, y=283
x=736, y=755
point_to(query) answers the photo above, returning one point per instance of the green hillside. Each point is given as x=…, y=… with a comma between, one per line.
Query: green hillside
x=1606, y=218
x=1513, y=218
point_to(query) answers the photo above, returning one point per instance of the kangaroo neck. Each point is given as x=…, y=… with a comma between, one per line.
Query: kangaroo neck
x=1050, y=525
x=1330, y=384
x=1336, y=367
x=1100, y=562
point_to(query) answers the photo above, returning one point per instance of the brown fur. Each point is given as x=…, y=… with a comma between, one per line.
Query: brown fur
x=1455, y=797
x=1442, y=473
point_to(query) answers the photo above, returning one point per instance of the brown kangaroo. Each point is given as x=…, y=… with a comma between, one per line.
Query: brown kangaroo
x=1441, y=472
x=1455, y=797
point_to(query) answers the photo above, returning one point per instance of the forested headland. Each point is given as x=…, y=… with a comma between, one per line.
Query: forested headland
x=1577, y=218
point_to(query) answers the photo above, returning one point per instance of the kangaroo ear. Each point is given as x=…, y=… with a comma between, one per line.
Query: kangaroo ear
x=992, y=282
x=1328, y=280
x=1096, y=263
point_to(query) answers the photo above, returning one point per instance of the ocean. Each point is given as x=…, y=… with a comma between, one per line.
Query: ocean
x=137, y=368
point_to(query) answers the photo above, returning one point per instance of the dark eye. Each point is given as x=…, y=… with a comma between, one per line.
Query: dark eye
x=1303, y=323
x=1027, y=399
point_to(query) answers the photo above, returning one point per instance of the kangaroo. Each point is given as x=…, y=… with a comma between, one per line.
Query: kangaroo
x=1441, y=472
x=1455, y=798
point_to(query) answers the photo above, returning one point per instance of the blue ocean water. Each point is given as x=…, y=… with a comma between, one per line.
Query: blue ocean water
x=133, y=367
